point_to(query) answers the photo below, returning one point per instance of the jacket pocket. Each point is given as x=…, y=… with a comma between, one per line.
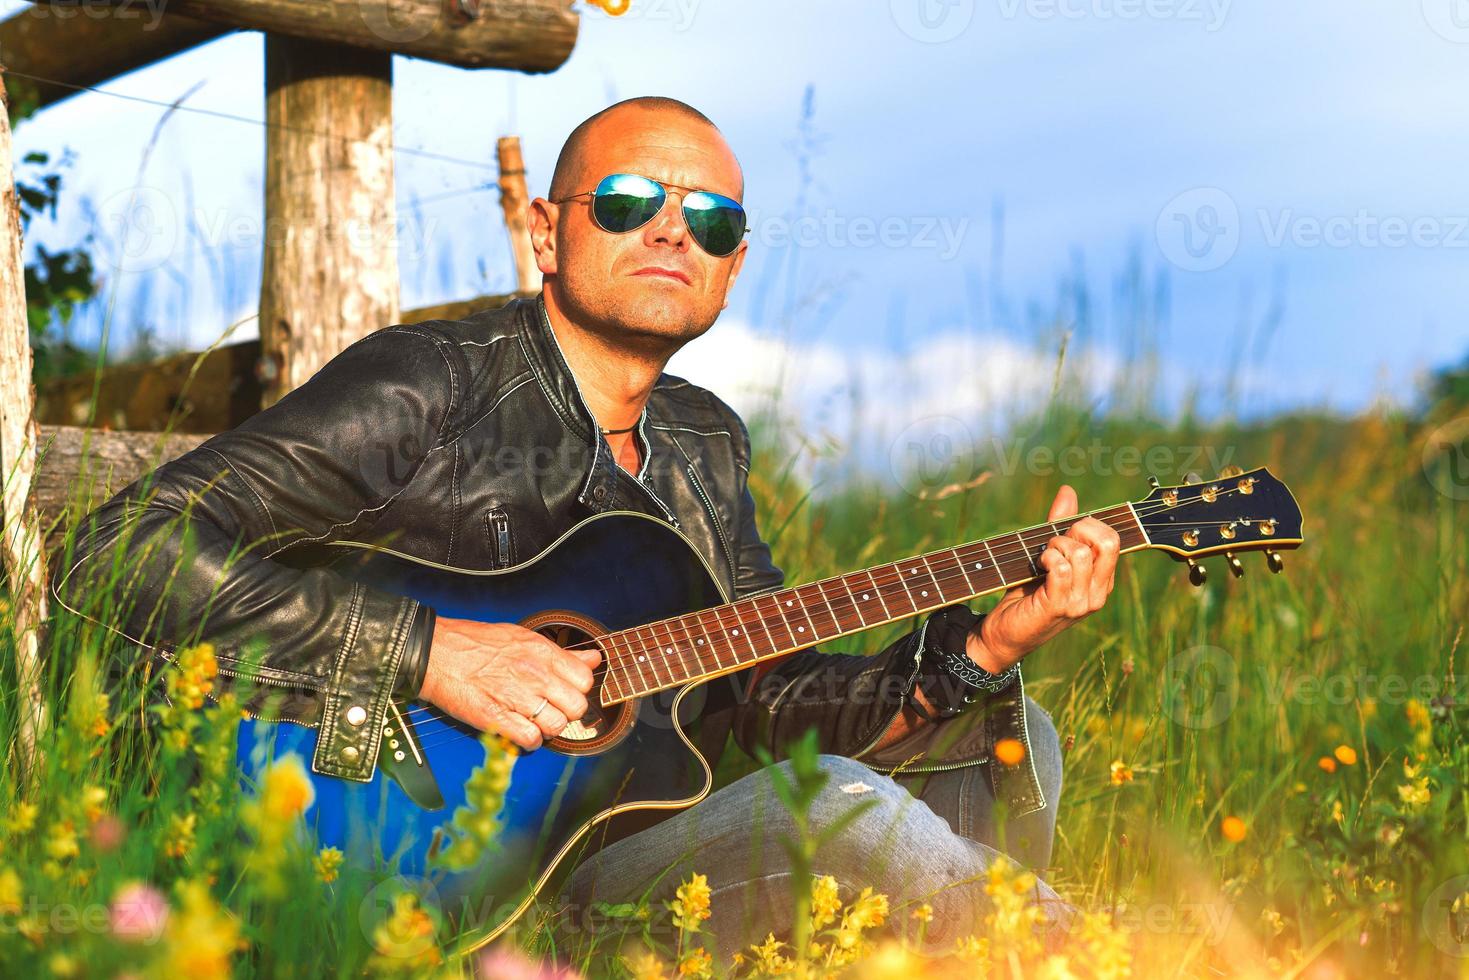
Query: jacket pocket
x=498, y=538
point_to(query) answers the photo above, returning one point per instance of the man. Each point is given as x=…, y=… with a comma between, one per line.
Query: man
x=634, y=267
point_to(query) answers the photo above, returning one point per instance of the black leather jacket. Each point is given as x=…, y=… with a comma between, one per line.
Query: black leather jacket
x=468, y=443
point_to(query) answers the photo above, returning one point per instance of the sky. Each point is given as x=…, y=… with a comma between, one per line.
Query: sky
x=1268, y=197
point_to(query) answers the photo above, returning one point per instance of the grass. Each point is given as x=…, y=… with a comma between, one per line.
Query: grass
x=1266, y=776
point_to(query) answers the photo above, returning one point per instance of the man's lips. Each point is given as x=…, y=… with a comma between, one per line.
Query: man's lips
x=656, y=270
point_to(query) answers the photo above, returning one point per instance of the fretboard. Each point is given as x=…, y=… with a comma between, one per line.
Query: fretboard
x=696, y=646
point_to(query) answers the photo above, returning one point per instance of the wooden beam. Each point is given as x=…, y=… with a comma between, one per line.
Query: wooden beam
x=58, y=45
x=527, y=35
x=53, y=49
x=159, y=395
x=81, y=469
x=20, y=535
x=515, y=202
x=330, y=272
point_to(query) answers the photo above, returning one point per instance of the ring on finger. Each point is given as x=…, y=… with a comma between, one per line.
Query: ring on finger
x=539, y=709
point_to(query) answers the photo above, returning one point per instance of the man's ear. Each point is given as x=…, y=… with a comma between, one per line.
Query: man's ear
x=543, y=218
x=734, y=272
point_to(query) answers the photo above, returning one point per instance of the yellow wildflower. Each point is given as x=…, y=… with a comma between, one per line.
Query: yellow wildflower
x=646, y=967
x=825, y=905
x=867, y=911
x=768, y=957
x=194, y=678
x=405, y=939
x=10, y=892
x=94, y=803
x=924, y=913
x=1121, y=772
x=691, y=904
x=1415, y=791
x=179, y=838
x=1346, y=755
x=972, y=949
x=696, y=963
x=1417, y=714
x=1337, y=813
x=62, y=842
x=1327, y=764
x=286, y=790
x=62, y=965
x=22, y=818
x=200, y=936
x=328, y=862
x=1057, y=968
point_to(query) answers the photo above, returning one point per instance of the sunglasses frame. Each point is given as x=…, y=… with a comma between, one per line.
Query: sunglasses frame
x=683, y=206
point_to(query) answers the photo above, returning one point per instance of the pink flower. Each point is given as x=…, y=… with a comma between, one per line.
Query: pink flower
x=506, y=962
x=138, y=914
x=108, y=833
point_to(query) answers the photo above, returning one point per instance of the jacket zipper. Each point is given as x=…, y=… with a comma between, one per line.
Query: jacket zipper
x=932, y=767
x=718, y=528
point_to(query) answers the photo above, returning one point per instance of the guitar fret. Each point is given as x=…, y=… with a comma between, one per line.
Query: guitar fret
x=851, y=597
x=805, y=635
x=968, y=582
x=790, y=640
x=676, y=647
x=934, y=579
x=706, y=642
x=642, y=677
x=842, y=627
x=650, y=654
x=897, y=574
x=878, y=592
x=609, y=670
x=994, y=564
x=808, y=595
x=745, y=631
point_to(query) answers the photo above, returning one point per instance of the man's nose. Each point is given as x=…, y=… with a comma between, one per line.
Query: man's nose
x=668, y=227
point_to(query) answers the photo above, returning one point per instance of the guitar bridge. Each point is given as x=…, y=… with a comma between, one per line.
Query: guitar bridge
x=401, y=758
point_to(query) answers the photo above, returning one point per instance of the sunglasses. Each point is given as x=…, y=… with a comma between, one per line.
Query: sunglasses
x=625, y=202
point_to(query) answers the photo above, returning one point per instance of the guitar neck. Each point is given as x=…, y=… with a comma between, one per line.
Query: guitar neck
x=700, y=645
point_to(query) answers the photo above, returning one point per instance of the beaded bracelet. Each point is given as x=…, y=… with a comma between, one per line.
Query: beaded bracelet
x=940, y=668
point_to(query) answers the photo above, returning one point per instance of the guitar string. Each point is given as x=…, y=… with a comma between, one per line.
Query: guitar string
x=616, y=659
x=763, y=622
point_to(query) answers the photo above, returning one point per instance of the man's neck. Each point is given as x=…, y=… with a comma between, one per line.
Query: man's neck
x=615, y=381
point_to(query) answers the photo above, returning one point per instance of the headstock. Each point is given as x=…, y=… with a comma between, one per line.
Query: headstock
x=1239, y=511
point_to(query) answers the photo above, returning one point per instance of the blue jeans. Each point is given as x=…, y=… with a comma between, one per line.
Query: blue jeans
x=932, y=847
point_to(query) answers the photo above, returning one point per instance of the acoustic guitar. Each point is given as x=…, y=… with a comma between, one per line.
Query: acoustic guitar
x=637, y=589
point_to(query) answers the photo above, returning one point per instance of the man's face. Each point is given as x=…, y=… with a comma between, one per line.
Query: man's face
x=654, y=286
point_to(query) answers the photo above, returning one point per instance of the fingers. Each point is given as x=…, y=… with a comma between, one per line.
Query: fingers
x=1064, y=505
x=1105, y=546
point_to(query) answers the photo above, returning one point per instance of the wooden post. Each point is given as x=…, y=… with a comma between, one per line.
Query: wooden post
x=20, y=540
x=330, y=273
x=514, y=201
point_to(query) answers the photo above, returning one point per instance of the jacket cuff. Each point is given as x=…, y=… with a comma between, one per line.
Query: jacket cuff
x=363, y=676
x=949, y=680
x=415, y=658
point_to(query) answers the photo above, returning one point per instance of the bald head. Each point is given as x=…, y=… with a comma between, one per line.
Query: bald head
x=572, y=163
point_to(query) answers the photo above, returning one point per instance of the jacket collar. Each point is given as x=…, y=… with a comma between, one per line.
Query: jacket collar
x=598, y=487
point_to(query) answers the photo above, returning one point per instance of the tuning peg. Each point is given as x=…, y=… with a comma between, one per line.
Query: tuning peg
x=1197, y=574
x=1153, y=482
x=1274, y=561
x=1231, y=471
x=1193, y=477
x=1235, y=567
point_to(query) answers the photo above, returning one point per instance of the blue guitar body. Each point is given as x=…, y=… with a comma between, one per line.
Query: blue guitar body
x=625, y=767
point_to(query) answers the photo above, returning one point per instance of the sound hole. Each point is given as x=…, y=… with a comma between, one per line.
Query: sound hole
x=595, y=729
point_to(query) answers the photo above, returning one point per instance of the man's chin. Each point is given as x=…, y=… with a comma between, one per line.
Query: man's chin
x=663, y=316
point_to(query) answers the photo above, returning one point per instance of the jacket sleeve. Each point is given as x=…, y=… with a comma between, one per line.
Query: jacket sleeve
x=851, y=700
x=207, y=547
